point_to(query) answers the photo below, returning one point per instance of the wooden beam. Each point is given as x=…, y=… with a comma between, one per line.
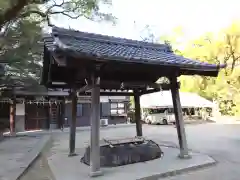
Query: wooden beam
x=179, y=118
x=108, y=94
x=159, y=87
x=72, y=137
x=62, y=113
x=66, y=93
x=95, y=128
x=150, y=91
x=138, y=113
x=84, y=89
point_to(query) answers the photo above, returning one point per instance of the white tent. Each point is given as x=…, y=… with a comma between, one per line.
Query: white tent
x=164, y=99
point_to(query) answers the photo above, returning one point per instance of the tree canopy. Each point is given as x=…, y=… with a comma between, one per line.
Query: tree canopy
x=222, y=47
x=14, y=9
x=21, y=24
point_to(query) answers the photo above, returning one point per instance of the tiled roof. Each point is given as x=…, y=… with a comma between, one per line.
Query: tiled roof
x=118, y=49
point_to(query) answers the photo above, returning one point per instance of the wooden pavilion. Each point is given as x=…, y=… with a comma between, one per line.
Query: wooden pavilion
x=110, y=66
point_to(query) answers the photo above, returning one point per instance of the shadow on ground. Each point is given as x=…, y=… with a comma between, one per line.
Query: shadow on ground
x=39, y=169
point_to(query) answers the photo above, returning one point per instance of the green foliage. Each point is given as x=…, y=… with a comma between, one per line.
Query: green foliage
x=20, y=33
x=217, y=48
x=21, y=48
x=45, y=9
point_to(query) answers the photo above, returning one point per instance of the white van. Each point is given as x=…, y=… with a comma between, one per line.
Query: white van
x=159, y=116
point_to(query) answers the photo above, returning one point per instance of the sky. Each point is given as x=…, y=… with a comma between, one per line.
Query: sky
x=195, y=17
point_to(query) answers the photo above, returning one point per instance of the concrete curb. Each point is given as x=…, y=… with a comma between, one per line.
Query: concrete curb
x=182, y=170
x=66, y=130
x=32, y=156
x=178, y=171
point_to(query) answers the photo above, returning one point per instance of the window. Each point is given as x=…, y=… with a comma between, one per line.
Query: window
x=114, y=105
x=114, y=111
x=117, y=108
x=120, y=111
x=120, y=105
x=157, y=111
x=79, y=110
x=170, y=110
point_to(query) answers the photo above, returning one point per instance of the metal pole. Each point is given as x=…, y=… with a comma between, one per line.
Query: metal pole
x=138, y=114
x=73, y=124
x=95, y=129
x=179, y=118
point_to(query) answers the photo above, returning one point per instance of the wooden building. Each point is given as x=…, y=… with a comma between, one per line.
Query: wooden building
x=84, y=61
x=49, y=109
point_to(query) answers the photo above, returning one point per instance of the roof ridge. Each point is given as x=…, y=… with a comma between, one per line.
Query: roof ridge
x=56, y=31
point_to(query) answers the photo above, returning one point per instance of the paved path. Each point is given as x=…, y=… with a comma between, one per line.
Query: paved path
x=16, y=153
x=222, y=142
x=64, y=167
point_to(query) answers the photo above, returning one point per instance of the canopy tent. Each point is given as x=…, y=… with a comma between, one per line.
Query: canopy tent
x=164, y=99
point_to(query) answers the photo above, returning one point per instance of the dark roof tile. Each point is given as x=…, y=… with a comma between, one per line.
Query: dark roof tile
x=113, y=48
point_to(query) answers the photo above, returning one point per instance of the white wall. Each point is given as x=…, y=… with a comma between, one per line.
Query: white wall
x=20, y=109
x=20, y=117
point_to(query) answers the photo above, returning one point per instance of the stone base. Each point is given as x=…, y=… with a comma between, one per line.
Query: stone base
x=72, y=154
x=121, y=152
x=184, y=156
x=95, y=174
x=53, y=126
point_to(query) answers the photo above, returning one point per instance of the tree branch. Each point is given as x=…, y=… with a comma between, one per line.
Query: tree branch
x=12, y=12
x=38, y=12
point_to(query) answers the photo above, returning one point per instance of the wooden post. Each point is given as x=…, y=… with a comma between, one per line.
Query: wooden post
x=62, y=113
x=73, y=124
x=137, y=113
x=13, y=116
x=95, y=128
x=179, y=118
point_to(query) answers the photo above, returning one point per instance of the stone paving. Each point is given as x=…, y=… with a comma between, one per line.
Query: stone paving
x=16, y=153
x=39, y=170
x=222, y=142
x=64, y=167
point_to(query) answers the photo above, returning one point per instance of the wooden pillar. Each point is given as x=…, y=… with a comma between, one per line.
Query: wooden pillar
x=72, y=136
x=95, y=128
x=137, y=113
x=179, y=118
x=63, y=106
x=13, y=116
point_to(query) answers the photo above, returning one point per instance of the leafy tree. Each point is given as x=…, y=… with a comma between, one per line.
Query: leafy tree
x=21, y=23
x=223, y=47
x=14, y=9
x=218, y=48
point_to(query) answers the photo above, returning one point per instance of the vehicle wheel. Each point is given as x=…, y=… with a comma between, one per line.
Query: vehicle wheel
x=149, y=122
x=165, y=122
